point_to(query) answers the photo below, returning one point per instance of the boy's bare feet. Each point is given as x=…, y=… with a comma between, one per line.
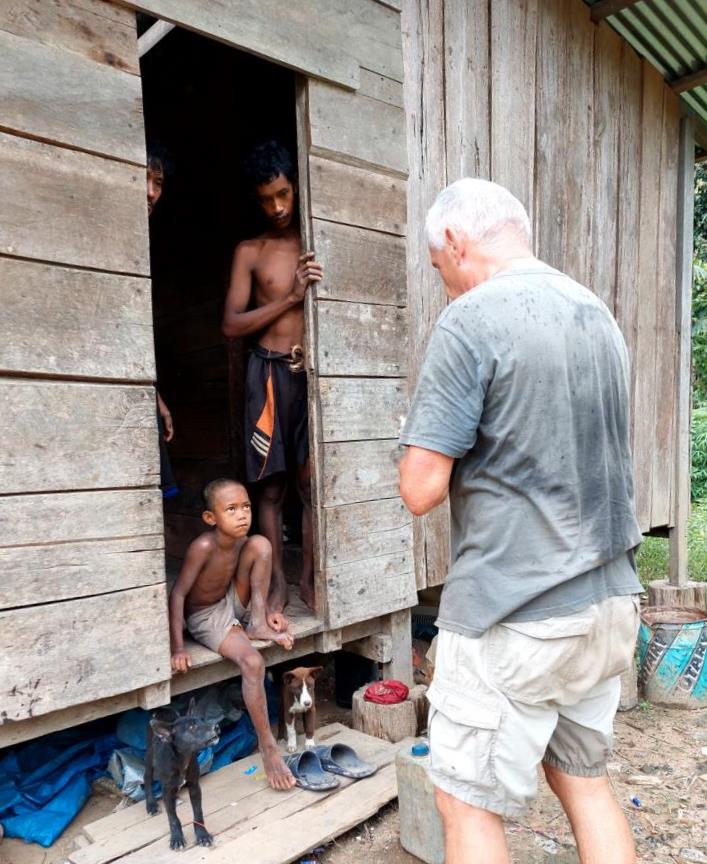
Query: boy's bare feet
x=278, y=621
x=306, y=592
x=278, y=774
x=260, y=631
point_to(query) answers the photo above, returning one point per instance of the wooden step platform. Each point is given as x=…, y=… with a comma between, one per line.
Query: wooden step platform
x=249, y=820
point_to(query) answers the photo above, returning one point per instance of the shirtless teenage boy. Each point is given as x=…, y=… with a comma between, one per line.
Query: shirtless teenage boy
x=224, y=571
x=270, y=274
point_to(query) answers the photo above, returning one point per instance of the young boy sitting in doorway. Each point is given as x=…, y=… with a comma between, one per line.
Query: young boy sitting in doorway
x=223, y=574
x=270, y=275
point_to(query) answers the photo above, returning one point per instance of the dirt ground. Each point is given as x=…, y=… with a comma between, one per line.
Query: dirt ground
x=658, y=759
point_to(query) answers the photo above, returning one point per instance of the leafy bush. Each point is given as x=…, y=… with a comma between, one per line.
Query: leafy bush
x=699, y=454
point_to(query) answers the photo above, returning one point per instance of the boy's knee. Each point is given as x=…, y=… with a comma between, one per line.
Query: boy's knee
x=274, y=492
x=253, y=666
x=260, y=546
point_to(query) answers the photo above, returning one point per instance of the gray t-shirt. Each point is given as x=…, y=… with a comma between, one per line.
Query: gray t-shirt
x=526, y=384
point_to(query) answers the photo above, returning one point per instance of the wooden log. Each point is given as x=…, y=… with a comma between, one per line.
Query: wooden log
x=390, y=722
x=418, y=697
x=63, y=98
x=356, y=532
x=62, y=321
x=356, y=409
x=356, y=196
x=48, y=188
x=57, y=655
x=360, y=339
x=59, y=435
x=690, y=595
x=356, y=129
x=103, y=32
x=355, y=471
x=360, y=265
x=154, y=696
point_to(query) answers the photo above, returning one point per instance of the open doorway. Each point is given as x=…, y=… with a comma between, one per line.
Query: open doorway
x=207, y=104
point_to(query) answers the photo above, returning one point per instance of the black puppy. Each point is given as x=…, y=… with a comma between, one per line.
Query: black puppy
x=172, y=746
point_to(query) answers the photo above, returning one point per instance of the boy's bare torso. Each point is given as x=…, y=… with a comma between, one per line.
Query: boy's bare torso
x=273, y=264
x=216, y=573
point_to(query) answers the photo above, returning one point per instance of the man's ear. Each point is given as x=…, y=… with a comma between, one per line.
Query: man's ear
x=208, y=517
x=161, y=730
x=451, y=238
x=316, y=671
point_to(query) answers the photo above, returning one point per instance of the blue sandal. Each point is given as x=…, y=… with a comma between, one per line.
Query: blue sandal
x=307, y=770
x=342, y=759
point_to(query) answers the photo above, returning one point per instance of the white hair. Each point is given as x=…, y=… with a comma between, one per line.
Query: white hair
x=477, y=208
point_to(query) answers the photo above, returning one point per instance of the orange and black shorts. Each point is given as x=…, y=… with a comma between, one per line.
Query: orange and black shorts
x=276, y=429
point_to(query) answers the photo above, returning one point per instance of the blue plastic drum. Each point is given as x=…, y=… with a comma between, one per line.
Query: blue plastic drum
x=672, y=656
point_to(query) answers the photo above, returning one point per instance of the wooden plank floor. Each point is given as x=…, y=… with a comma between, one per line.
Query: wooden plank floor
x=249, y=820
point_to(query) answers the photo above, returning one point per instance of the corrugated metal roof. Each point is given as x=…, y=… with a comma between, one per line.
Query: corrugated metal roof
x=672, y=36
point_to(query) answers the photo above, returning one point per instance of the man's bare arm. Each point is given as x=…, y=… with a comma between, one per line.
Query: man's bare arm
x=237, y=322
x=196, y=557
x=424, y=479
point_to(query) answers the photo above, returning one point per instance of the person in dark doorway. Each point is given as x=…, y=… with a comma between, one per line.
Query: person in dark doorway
x=521, y=416
x=270, y=274
x=156, y=170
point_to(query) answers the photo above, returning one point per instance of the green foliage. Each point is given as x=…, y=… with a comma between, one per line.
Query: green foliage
x=652, y=558
x=699, y=453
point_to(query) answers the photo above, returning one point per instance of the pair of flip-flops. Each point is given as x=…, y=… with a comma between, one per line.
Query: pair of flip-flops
x=315, y=769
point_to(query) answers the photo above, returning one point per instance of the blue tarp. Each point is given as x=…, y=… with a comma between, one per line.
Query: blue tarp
x=45, y=783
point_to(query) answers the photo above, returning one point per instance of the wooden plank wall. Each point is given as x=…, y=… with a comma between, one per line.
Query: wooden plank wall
x=83, y=612
x=353, y=149
x=531, y=94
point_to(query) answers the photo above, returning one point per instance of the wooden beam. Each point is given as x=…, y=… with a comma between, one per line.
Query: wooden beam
x=152, y=36
x=604, y=8
x=678, y=573
x=690, y=81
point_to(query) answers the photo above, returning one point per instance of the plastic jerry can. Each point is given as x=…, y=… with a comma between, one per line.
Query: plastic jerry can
x=421, y=831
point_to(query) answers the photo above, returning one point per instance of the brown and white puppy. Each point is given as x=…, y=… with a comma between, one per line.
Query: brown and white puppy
x=298, y=699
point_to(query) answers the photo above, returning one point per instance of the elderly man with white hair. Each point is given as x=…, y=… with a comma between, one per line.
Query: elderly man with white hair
x=521, y=417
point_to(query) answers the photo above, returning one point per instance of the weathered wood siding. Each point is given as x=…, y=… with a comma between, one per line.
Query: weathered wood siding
x=353, y=156
x=80, y=511
x=531, y=94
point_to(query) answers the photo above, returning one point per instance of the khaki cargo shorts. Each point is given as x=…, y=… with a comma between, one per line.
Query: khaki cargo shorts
x=526, y=693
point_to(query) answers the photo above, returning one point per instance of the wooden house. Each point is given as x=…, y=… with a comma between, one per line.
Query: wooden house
x=389, y=101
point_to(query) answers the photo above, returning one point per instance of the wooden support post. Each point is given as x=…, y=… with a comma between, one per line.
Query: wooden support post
x=399, y=626
x=678, y=591
x=328, y=641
